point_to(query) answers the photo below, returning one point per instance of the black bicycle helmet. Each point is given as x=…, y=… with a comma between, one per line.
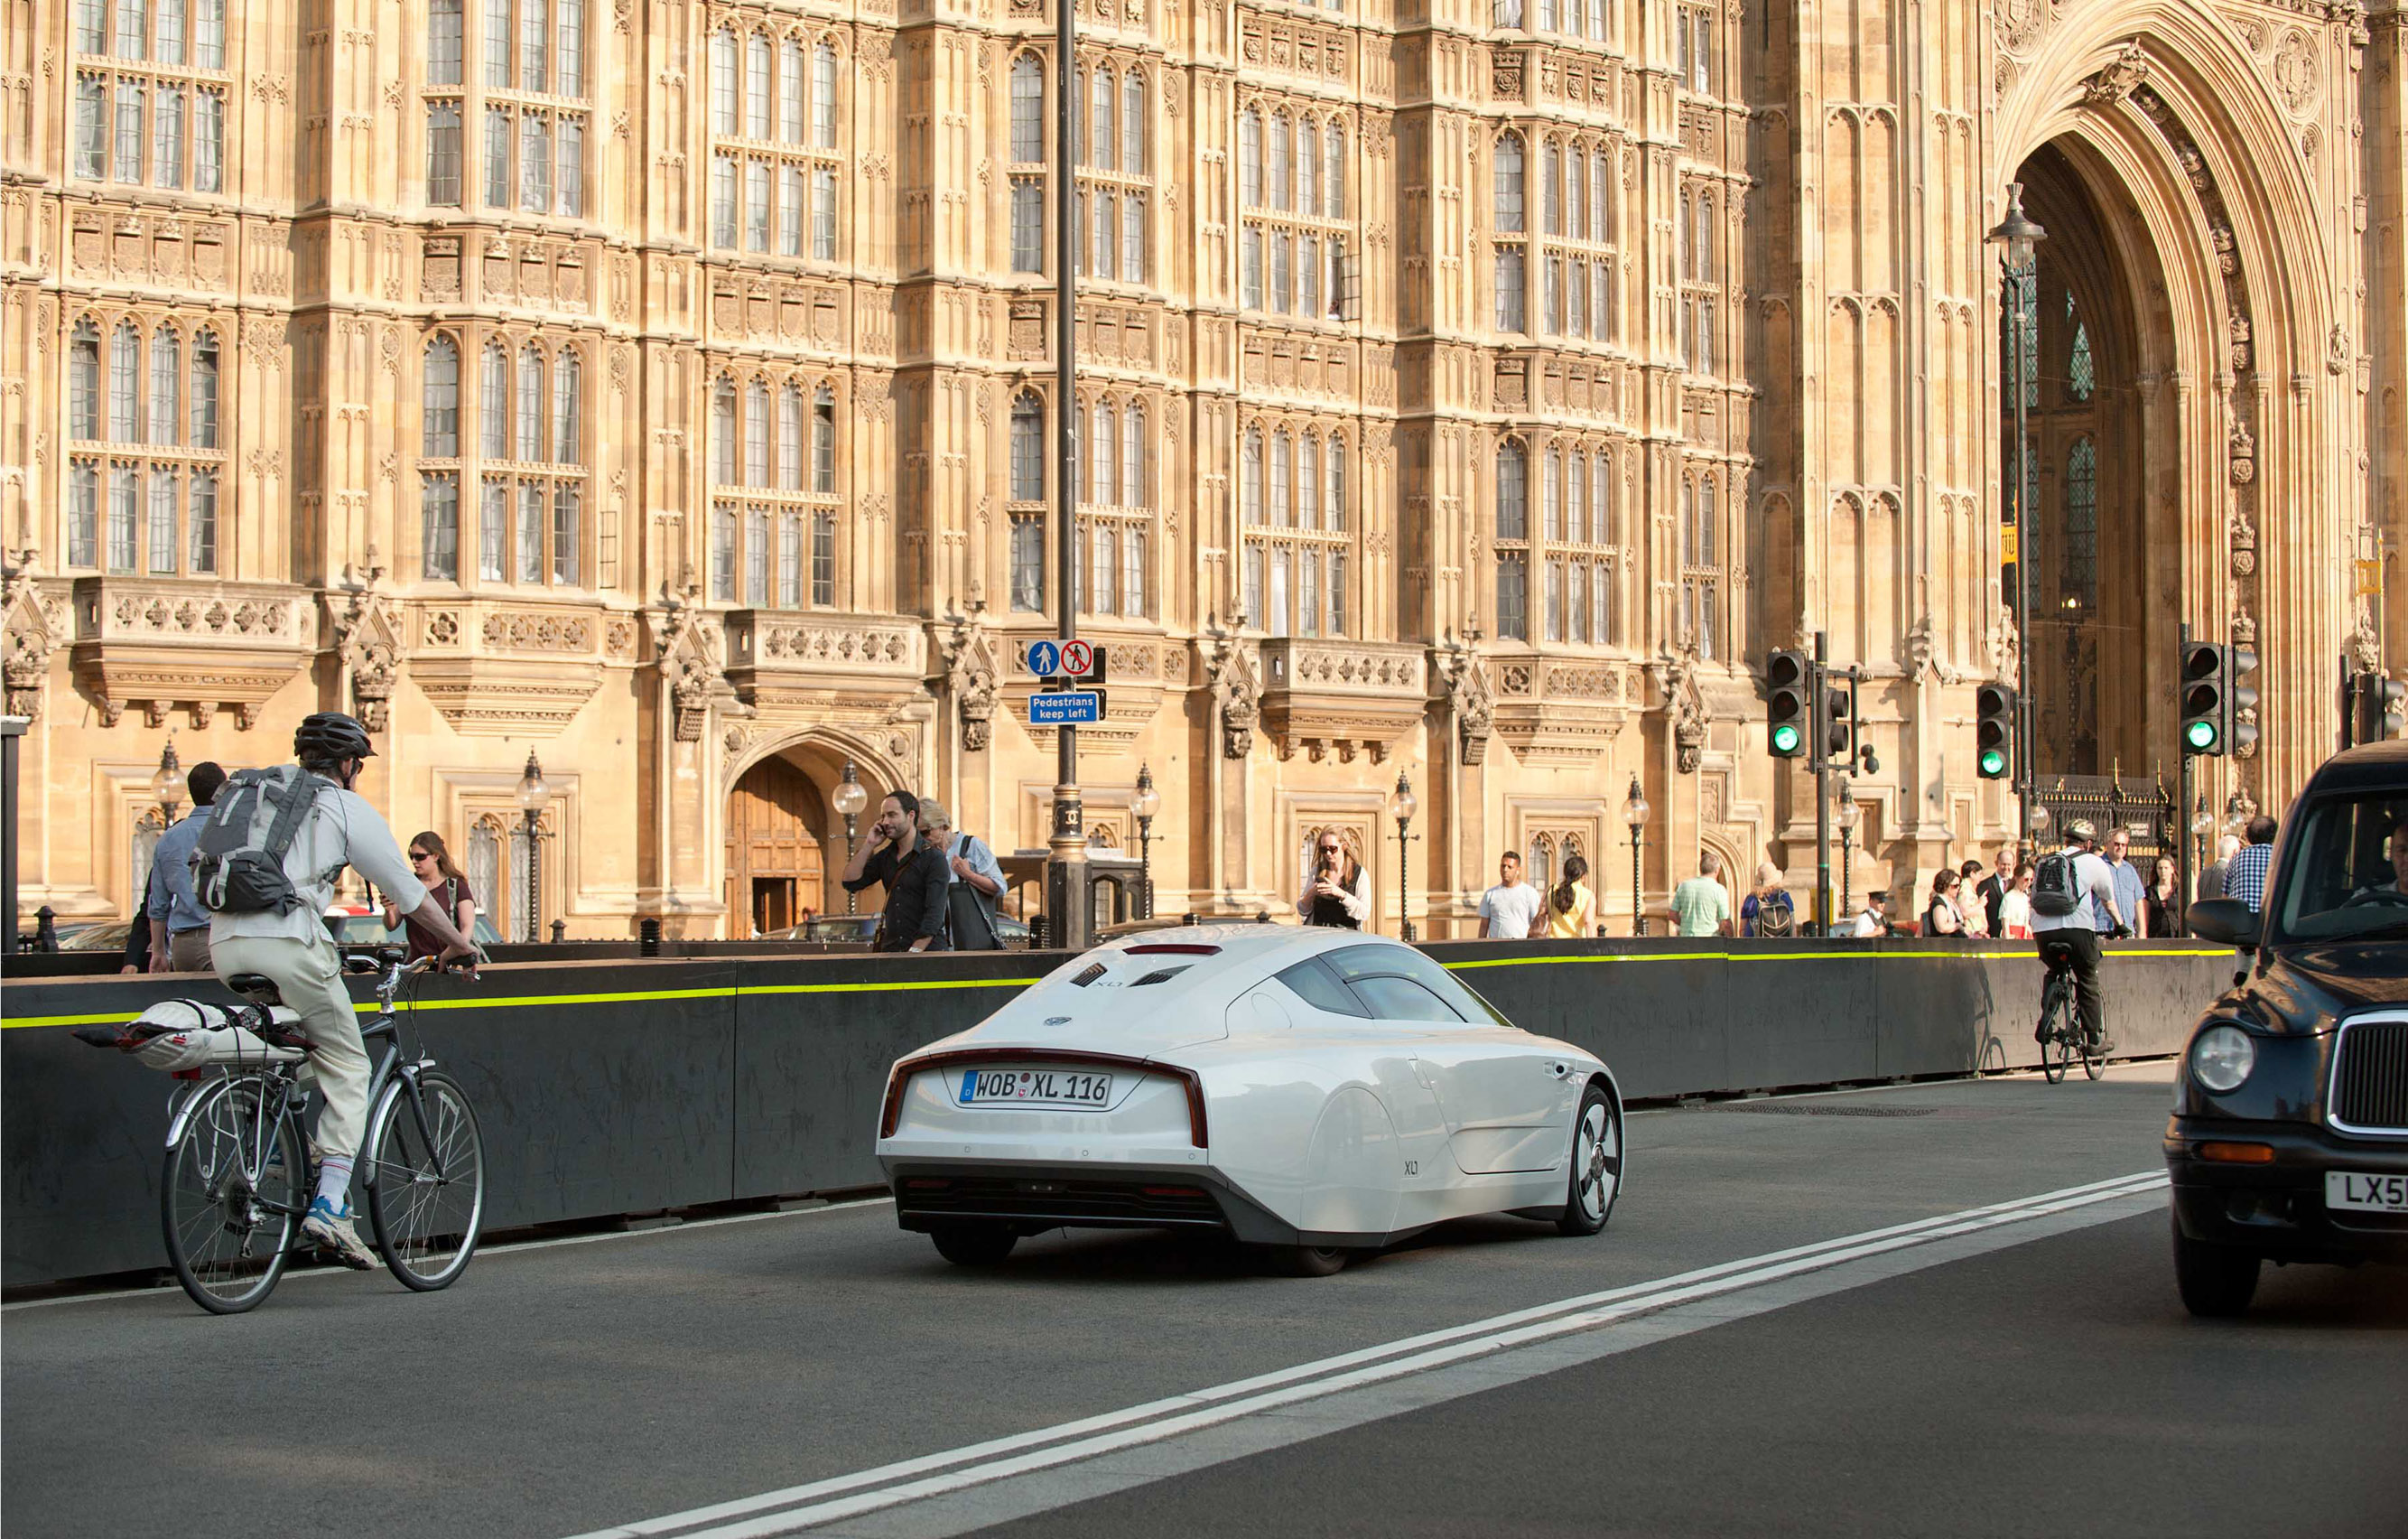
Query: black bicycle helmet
x=330, y=735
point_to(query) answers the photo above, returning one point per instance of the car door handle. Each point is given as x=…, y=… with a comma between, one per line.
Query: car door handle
x=1559, y=1070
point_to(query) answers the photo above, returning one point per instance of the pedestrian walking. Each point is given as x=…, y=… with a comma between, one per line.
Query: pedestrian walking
x=1768, y=912
x=1701, y=905
x=2129, y=886
x=178, y=926
x=447, y=888
x=1970, y=904
x=895, y=857
x=2015, y=908
x=1338, y=890
x=1993, y=889
x=975, y=879
x=2211, y=880
x=1873, y=920
x=1510, y=910
x=2244, y=875
x=1571, y=908
x=2163, y=902
x=1941, y=915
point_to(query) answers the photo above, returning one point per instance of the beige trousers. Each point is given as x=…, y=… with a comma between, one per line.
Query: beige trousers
x=308, y=973
x=188, y=950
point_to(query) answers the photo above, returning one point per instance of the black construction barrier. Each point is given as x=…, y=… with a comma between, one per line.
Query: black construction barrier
x=634, y=1086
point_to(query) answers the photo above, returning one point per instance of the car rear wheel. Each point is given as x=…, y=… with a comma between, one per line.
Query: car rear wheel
x=1305, y=1260
x=1595, y=1177
x=2216, y=1282
x=973, y=1245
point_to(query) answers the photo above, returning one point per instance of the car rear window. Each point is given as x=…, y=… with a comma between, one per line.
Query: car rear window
x=1319, y=988
x=1356, y=963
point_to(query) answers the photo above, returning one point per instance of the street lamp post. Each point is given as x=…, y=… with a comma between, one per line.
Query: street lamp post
x=2019, y=239
x=533, y=793
x=1143, y=806
x=1846, y=817
x=850, y=799
x=1634, y=812
x=1401, y=806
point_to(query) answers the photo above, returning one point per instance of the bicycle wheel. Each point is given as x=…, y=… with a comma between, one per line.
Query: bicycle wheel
x=2054, y=1045
x=2094, y=1063
x=425, y=1180
x=232, y=1197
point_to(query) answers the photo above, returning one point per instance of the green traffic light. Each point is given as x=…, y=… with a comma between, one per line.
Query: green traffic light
x=1785, y=739
x=2201, y=735
x=1994, y=763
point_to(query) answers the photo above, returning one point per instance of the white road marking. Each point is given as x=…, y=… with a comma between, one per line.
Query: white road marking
x=942, y=1474
x=484, y=1251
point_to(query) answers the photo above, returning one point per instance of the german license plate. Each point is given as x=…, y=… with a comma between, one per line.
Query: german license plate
x=1075, y=1088
x=2362, y=1193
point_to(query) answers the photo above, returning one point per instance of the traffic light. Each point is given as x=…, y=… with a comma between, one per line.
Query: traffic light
x=1786, y=678
x=2240, y=699
x=2204, y=681
x=2382, y=706
x=1838, y=720
x=1994, y=731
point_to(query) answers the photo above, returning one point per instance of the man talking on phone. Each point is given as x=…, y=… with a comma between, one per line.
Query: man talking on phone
x=912, y=870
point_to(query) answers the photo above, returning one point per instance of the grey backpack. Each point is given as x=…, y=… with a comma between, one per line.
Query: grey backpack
x=2056, y=885
x=238, y=864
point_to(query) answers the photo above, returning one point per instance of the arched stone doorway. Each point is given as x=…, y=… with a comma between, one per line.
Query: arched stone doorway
x=777, y=841
x=2087, y=535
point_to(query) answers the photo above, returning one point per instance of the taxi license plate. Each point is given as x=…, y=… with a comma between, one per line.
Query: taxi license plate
x=1076, y=1089
x=2362, y=1193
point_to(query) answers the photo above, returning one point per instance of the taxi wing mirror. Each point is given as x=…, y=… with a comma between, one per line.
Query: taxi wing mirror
x=2227, y=920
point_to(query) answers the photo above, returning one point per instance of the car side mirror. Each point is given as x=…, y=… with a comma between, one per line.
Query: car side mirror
x=2228, y=920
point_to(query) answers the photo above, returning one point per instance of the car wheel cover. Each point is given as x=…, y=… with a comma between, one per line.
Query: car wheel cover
x=1593, y=1162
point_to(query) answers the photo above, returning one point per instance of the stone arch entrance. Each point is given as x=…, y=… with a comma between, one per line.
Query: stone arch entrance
x=786, y=844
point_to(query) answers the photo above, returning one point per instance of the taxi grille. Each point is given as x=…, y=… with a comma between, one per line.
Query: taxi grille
x=2370, y=1082
x=1060, y=1201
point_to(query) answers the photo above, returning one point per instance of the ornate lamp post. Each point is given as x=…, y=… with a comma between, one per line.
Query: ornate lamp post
x=2018, y=240
x=1634, y=812
x=1143, y=806
x=167, y=785
x=1845, y=816
x=850, y=798
x=1401, y=806
x=533, y=793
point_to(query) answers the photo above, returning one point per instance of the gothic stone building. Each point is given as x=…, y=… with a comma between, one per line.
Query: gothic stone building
x=1469, y=389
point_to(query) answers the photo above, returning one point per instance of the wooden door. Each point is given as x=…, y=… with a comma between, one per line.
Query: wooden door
x=774, y=866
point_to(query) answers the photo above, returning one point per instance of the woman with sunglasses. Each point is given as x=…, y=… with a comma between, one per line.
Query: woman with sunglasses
x=445, y=885
x=1338, y=890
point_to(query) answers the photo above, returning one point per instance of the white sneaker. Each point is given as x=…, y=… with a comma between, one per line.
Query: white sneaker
x=331, y=1228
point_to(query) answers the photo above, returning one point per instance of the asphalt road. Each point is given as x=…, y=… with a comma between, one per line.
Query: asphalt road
x=2027, y=1371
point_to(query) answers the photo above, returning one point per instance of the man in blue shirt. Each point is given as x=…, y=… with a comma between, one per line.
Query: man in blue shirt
x=179, y=927
x=2128, y=885
x=2246, y=877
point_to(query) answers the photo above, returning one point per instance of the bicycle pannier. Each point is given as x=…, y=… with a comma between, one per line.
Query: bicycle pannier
x=177, y=1036
x=238, y=864
x=2056, y=890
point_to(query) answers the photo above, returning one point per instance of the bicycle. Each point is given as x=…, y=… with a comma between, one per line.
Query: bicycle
x=2060, y=1030
x=238, y=1176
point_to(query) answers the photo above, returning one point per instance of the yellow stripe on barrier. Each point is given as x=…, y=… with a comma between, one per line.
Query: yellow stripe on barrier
x=1793, y=956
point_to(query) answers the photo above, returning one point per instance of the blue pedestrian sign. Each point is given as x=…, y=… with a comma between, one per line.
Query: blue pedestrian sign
x=1065, y=707
x=1045, y=658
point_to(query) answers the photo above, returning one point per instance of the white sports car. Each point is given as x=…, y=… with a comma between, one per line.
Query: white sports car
x=1317, y=1092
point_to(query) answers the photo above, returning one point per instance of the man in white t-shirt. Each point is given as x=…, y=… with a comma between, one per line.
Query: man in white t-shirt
x=2074, y=937
x=1509, y=908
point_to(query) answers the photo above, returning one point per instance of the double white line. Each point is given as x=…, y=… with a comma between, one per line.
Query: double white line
x=822, y=1502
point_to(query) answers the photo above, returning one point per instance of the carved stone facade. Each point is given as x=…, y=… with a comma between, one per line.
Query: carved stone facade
x=1466, y=391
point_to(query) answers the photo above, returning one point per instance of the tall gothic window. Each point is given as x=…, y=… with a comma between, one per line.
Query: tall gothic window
x=1513, y=244
x=2081, y=371
x=1296, y=249
x=1027, y=176
x=438, y=459
x=1114, y=189
x=149, y=94
x=1578, y=263
x=774, y=507
x=144, y=463
x=1694, y=45
x=1027, y=511
x=1513, y=541
x=774, y=160
x=2078, y=580
x=1115, y=510
x=1700, y=544
x=517, y=85
x=1298, y=545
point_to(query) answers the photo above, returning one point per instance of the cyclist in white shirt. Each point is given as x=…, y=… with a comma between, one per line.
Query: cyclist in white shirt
x=2074, y=938
x=293, y=950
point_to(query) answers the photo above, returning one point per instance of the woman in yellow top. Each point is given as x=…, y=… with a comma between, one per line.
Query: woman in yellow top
x=1571, y=908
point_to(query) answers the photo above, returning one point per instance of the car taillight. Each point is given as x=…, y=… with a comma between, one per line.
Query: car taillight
x=896, y=1078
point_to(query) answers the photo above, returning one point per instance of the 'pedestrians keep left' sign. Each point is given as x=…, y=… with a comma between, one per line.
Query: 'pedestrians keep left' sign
x=1066, y=707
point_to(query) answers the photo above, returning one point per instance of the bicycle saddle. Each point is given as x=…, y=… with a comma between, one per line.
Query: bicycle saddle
x=256, y=988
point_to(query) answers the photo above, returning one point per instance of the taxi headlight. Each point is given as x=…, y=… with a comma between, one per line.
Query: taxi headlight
x=2222, y=1058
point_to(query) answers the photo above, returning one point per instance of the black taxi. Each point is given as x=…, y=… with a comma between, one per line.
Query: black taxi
x=2289, y=1135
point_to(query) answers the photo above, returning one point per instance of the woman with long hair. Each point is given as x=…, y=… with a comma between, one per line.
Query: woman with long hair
x=445, y=885
x=2163, y=901
x=1942, y=916
x=1977, y=914
x=2015, y=905
x=1571, y=908
x=1337, y=889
